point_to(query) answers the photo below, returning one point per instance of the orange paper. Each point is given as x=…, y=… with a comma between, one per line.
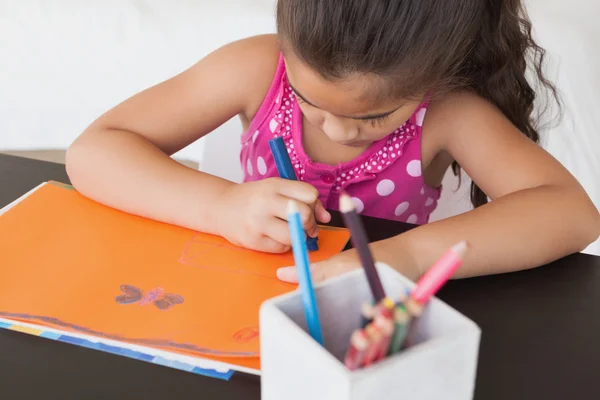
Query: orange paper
x=70, y=263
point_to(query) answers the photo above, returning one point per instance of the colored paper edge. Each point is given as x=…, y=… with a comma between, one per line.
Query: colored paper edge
x=20, y=199
x=62, y=185
x=160, y=357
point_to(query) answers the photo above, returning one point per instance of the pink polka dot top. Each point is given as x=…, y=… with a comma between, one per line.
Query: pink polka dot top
x=385, y=181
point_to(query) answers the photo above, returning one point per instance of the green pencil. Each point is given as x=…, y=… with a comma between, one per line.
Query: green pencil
x=401, y=322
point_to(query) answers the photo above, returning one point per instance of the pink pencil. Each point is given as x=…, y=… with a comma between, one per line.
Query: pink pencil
x=439, y=273
x=431, y=282
x=359, y=343
x=375, y=337
x=386, y=325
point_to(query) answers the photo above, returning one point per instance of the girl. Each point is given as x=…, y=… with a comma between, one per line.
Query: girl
x=374, y=97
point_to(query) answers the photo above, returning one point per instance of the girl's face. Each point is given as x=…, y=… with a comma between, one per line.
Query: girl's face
x=347, y=111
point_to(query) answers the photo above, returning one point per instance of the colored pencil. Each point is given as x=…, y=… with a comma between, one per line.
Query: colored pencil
x=436, y=277
x=401, y=321
x=304, y=280
x=429, y=284
x=385, y=304
x=282, y=159
x=359, y=343
x=367, y=312
x=361, y=244
x=286, y=171
x=375, y=336
x=386, y=326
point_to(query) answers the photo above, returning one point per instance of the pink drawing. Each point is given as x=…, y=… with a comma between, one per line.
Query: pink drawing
x=222, y=256
x=157, y=296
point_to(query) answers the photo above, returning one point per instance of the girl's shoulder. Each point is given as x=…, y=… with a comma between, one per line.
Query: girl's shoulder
x=257, y=58
x=452, y=115
x=454, y=124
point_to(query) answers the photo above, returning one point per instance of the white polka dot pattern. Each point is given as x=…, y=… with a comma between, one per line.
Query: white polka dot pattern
x=385, y=187
x=358, y=204
x=261, y=165
x=412, y=219
x=401, y=209
x=420, y=116
x=413, y=168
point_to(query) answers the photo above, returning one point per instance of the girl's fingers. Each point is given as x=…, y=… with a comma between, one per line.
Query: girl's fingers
x=308, y=196
x=321, y=214
x=319, y=271
x=307, y=215
x=335, y=266
x=299, y=191
x=279, y=231
x=268, y=245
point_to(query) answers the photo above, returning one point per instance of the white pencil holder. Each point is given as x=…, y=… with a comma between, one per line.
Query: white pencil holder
x=441, y=362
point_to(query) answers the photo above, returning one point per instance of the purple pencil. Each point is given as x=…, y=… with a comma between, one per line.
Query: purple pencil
x=361, y=244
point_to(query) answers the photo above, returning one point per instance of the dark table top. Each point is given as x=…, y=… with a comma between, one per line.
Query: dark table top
x=540, y=333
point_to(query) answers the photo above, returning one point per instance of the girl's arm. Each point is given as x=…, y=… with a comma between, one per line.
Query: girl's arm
x=122, y=159
x=539, y=212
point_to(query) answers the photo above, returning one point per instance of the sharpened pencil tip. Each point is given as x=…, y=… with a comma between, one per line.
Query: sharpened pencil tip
x=346, y=203
x=292, y=207
x=460, y=248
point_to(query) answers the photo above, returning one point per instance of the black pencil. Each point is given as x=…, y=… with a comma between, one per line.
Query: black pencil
x=361, y=244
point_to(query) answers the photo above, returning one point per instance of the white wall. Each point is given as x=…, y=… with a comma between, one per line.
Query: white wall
x=64, y=62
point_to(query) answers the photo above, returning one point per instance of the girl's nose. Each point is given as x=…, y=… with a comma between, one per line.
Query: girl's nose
x=338, y=131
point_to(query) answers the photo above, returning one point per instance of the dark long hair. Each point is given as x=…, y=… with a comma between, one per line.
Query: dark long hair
x=485, y=46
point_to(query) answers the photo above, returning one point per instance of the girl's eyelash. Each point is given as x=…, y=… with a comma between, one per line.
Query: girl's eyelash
x=377, y=121
x=298, y=98
x=373, y=121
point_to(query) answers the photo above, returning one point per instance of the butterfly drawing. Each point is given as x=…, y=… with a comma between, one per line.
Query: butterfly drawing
x=157, y=296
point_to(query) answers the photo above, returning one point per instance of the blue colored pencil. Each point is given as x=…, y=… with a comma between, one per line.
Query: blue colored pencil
x=302, y=264
x=286, y=171
x=282, y=160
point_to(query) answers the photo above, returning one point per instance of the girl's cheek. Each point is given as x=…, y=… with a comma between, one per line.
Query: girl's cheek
x=313, y=116
x=375, y=133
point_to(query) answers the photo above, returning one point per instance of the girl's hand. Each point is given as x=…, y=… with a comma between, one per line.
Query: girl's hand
x=332, y=267
x=254, y=214
x=348, y=260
